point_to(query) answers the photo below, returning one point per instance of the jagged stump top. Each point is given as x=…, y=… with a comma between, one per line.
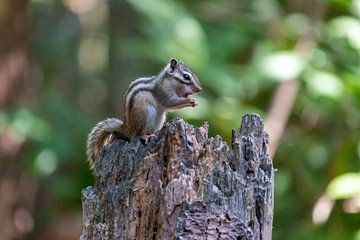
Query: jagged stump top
x=183, y=185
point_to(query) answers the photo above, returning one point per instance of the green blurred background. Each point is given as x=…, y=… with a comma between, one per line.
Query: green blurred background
x=64, y=65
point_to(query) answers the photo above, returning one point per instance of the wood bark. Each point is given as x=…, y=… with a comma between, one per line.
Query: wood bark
x=183, y=184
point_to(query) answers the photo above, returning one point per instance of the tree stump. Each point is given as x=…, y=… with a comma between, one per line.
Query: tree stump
x=183, y=185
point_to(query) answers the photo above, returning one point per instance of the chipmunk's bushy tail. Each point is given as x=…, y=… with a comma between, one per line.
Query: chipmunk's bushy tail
x=99, y=136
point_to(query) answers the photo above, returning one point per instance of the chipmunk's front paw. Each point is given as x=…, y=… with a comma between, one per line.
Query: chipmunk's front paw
x=193, y=102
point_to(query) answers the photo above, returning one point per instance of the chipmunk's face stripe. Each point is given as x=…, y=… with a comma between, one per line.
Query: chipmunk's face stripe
x=187, y=77
x=193, y=78
x=182, y=80
x=183, y=77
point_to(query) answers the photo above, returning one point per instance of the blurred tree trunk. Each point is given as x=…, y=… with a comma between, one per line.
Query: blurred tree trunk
x=14, y=38
x=285, y=94
x=183, y=185
x=17, y=192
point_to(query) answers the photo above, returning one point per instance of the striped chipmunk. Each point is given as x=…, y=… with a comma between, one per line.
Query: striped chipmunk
x=145, y=105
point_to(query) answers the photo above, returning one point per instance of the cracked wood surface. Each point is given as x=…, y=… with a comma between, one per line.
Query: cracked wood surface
x=183, y=185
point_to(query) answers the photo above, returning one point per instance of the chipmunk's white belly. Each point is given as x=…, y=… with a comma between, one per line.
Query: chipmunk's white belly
x=154, y=119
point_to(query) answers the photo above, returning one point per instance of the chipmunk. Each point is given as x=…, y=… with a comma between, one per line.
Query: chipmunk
x=146, y=102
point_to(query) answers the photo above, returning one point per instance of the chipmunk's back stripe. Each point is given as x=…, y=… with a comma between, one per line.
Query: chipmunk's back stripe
x=133, y=95
x=140, y=81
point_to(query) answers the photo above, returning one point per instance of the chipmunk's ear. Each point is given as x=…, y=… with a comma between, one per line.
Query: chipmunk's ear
x=173, y=63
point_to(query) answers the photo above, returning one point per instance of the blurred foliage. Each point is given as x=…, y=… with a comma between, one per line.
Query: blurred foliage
x=85, y=53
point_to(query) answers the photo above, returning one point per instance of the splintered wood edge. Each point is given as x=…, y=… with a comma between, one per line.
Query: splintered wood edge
x=250, y=139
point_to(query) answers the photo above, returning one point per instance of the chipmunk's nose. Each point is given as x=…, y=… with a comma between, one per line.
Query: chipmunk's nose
x=198, y=89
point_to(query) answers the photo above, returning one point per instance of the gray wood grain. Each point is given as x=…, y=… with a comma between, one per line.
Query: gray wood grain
x=183, y=185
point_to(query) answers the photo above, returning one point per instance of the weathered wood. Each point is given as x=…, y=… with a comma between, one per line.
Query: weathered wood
x=183, y=185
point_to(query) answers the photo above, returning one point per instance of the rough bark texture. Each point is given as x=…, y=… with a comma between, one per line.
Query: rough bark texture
x=183, y=185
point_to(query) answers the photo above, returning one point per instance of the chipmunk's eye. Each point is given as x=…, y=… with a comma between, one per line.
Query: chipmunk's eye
x=186, y=76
